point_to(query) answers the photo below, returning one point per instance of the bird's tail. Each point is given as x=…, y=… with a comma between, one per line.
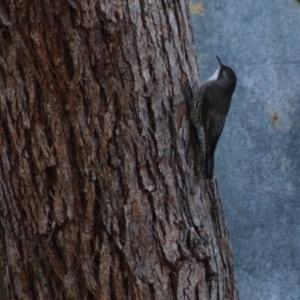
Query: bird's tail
x=209, y=166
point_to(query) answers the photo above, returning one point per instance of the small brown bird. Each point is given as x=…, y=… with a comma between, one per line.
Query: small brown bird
x=209, y=109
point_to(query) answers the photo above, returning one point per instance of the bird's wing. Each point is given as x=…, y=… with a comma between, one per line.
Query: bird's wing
x=213, y=122
x=215, y=125
x=196, y=115
x=196, y=107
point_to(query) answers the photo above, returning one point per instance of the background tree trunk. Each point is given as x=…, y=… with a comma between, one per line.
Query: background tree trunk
x=100, y=186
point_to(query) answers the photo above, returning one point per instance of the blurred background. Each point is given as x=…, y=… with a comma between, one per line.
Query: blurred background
x=258, y=156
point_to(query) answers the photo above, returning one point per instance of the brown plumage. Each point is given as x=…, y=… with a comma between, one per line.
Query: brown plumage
x=209, y=110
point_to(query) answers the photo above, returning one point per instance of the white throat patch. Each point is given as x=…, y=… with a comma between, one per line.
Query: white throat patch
x=215, y=75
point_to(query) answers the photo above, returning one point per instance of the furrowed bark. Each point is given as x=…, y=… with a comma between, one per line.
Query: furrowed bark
x=101, y=192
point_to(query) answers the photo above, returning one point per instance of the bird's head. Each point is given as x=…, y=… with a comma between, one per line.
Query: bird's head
x=225, y=77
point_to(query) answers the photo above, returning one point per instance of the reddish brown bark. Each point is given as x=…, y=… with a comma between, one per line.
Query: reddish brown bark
x=100, y=191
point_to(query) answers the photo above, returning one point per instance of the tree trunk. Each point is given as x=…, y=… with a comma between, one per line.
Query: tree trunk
x=100, y=185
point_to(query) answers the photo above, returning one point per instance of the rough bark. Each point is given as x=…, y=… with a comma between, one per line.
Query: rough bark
x=100, y=187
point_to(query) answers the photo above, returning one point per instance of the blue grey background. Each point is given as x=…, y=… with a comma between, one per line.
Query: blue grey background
x=258, y=156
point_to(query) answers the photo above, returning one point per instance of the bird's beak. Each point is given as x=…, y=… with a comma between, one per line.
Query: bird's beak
x=219, y=60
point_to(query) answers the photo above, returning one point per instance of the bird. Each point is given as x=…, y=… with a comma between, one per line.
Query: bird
x=210, y=107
